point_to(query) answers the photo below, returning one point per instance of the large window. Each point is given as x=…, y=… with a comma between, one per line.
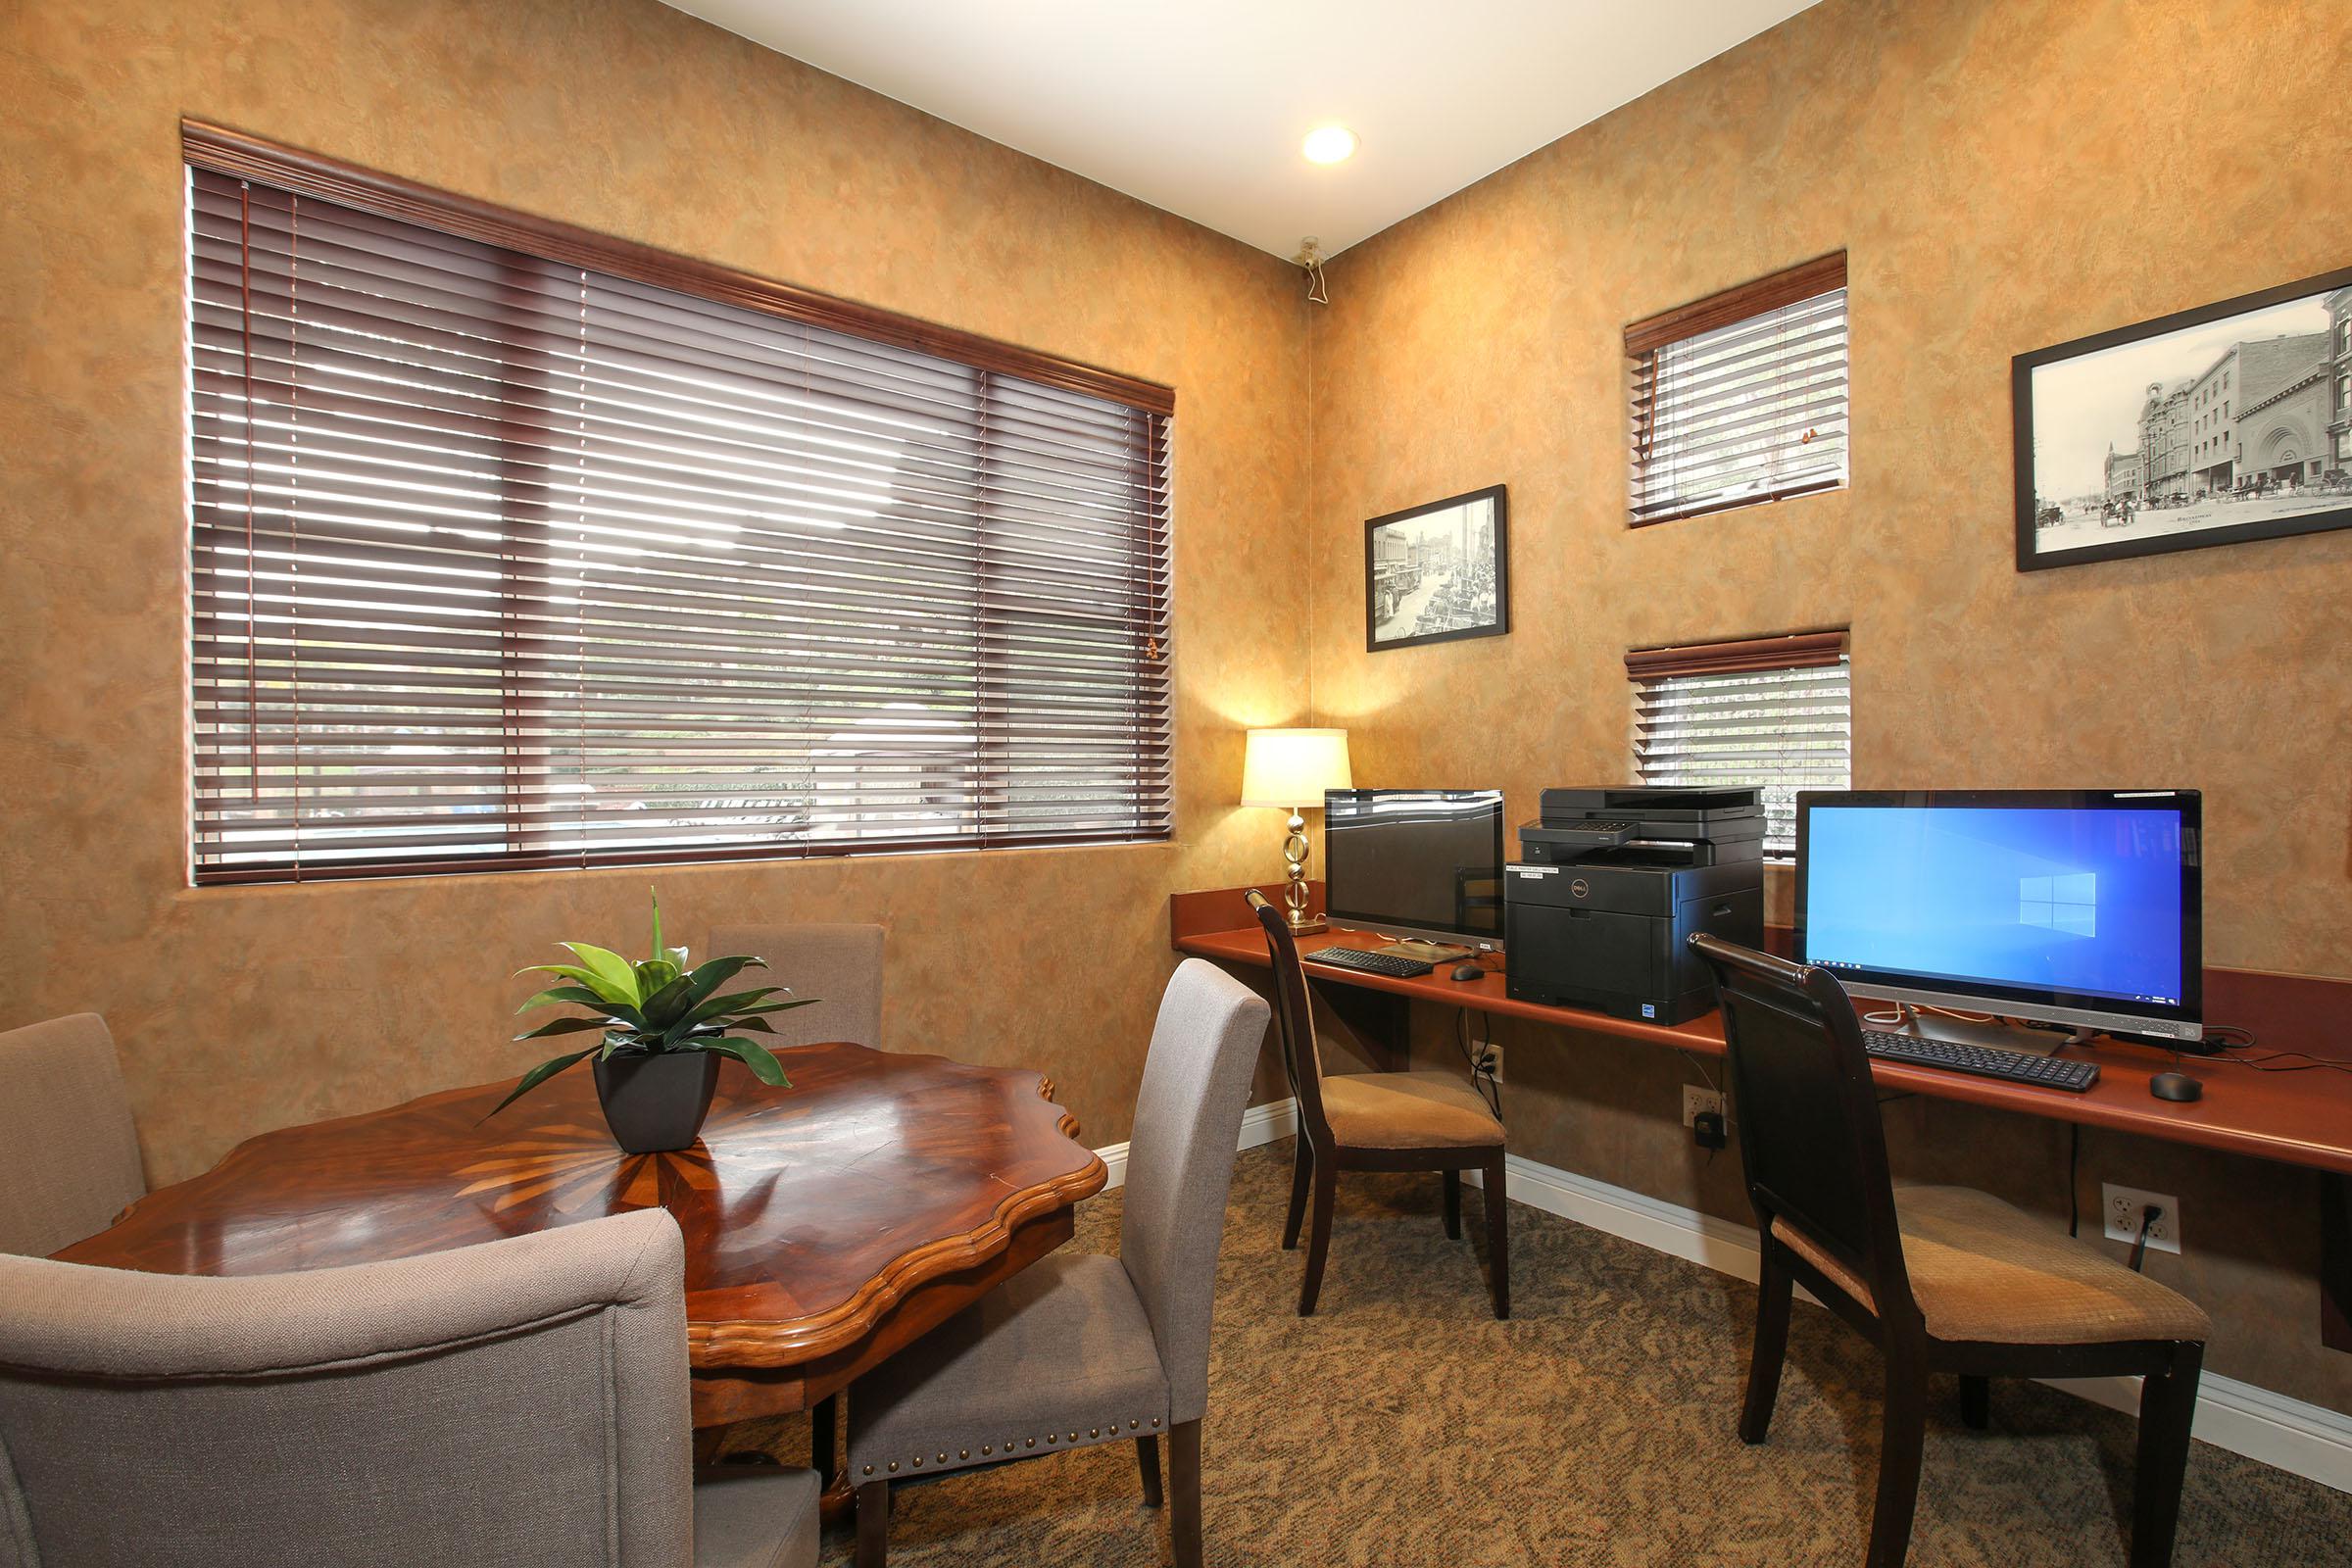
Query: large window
x=517, y=547
x=1740, y=397
x=1771, y=712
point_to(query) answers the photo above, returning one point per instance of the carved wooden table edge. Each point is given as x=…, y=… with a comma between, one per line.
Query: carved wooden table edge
x=751, y=1344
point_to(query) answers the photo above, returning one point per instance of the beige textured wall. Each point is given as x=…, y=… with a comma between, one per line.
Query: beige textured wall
x=240, y=1010
x=2005, y=175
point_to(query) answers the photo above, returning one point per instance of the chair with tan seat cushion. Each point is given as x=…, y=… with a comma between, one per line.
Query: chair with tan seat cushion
x=1943, y=1279
x=521, y=1402
x=1081, y=1350
x=68, y=1154
x=1431, y=1122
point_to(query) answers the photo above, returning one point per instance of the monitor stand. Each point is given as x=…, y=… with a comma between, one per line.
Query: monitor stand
x=1425, y=951
x=1968, y=1032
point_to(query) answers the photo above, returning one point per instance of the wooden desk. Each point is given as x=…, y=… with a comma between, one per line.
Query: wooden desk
x=826, y=1225
x=2297, y=1118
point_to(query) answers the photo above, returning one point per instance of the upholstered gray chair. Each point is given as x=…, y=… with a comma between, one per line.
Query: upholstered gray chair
x=1081, y=1348
x=68, y=1155
x=840, y=965
x=520, y=1402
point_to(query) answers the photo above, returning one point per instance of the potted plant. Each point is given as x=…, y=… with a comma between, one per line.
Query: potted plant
x=664, y=1029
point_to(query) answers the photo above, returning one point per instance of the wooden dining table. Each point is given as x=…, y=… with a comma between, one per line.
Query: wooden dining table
x=827, y=1224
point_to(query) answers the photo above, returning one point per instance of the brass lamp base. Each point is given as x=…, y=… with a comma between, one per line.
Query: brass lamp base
x=1294, y=897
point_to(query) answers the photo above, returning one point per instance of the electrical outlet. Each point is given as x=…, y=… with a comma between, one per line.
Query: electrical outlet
x=1696, y=1100
x=2122, y=1208
x=1492, y=1057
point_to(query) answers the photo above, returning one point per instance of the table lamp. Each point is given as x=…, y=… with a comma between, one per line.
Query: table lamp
x=1292, y=769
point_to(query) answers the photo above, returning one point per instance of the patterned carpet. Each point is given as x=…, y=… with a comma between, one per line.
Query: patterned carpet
x=1403, y=1426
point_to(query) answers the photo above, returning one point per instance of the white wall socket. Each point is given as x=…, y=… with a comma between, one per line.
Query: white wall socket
x=1492, y=1057
x=1696, y=1100
x=2122, y=1208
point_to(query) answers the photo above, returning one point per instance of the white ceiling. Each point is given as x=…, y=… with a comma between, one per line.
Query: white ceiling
x=1199, y=105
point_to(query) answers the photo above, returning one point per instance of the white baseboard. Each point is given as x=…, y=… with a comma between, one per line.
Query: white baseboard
x=1260, y=1124
x=2292, y=1434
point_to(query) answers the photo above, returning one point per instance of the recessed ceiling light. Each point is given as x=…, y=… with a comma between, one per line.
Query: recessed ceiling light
x=1329, y=144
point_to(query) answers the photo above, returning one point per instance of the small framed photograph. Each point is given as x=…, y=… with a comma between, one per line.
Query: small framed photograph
x=2224, y=424
x=1437, y=574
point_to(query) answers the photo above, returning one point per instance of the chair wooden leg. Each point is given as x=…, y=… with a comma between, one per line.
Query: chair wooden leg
x=1453, y=1206
x=1903, y=1435
x=2167, y=1406
x=824, y=1422
x=1976, y=1403
x=1183, y=1475
x=1318, y=1240
x=1146, y=1458
x=1302, y=1165
x=1771, y=1348
x=873, y=1524
x=1499, y=1237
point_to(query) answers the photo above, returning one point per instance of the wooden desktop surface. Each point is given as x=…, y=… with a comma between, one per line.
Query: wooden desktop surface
x=2297, y=1117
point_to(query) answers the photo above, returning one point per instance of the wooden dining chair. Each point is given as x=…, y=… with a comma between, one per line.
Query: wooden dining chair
x=1398, y=1121
x=1081, y=1348
x=69, y=1153
x=840, y=965
x=521, y=1402
x=1942, y=1278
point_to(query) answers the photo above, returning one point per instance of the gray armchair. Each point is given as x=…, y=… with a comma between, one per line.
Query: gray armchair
x=68, y=1154
x=840, y=965
x=1081, y=1348
x=521, y=1402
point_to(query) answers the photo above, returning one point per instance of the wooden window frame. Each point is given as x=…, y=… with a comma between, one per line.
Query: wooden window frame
x=1643, y=339
x=236, y=155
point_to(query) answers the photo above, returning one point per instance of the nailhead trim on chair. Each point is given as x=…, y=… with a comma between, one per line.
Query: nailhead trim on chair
x=986, y=1450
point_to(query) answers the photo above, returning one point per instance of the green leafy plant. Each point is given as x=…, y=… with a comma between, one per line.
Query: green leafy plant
x=654, y=1007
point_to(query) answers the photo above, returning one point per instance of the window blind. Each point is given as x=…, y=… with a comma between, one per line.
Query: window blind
x=503, y=561
x=1772, y=712
x=1742, y=397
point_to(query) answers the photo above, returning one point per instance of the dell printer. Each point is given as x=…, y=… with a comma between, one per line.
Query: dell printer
x=1610, y=885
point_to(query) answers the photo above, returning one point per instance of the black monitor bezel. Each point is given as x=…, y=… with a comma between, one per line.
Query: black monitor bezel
x=1388, y=923
x=2190, y=804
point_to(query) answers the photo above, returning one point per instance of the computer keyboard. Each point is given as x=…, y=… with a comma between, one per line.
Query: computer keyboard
x=1388, y=964
x=1988, y=1061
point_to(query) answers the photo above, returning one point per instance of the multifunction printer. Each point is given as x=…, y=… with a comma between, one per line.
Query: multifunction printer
x=1609, y=886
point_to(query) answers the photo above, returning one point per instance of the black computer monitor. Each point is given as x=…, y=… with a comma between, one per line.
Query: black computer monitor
x=1415, y=862
x=2072, y=906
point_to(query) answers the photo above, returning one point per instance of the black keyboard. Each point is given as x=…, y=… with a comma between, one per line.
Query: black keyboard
x=1987, y=1062
x=1388, y=964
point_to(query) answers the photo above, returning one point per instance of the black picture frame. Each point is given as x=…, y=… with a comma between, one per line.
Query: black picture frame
x=2032, y=507
x=1377, y=590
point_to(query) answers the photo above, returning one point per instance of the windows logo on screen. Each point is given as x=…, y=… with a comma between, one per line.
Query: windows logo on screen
x=2068, y=905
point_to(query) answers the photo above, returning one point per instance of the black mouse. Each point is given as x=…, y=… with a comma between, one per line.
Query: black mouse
x=2176, y=1085
x=1468, y=971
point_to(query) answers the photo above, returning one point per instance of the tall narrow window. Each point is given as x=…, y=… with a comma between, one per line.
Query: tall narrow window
x=1740, y=397
x=513, y=547
x=1772, y=712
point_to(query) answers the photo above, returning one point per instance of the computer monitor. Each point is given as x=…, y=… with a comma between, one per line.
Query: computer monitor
x=2069, y=906
x=1415, y=862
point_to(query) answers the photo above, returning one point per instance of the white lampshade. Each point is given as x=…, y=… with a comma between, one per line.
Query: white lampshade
x=1293, y=767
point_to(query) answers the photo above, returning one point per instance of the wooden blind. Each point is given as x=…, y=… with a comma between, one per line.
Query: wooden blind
x=1775, y=714
x=1740, y=397
x=503, y=561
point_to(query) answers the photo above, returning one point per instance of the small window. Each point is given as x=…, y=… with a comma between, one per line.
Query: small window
x=1774, y=713
x=1740, y=397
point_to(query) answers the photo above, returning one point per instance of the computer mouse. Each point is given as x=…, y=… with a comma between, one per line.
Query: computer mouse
x=2176, y=1085
x=1468, y=971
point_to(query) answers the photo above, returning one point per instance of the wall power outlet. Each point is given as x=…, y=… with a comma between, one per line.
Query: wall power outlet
x=1696, y=1100
x=2122, y=1208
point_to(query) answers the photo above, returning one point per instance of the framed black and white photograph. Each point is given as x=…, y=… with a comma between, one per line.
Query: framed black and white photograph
x=1437, y=574
x=2217, y=426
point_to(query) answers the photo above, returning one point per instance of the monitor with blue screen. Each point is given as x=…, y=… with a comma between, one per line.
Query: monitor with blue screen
x=2075, y=907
